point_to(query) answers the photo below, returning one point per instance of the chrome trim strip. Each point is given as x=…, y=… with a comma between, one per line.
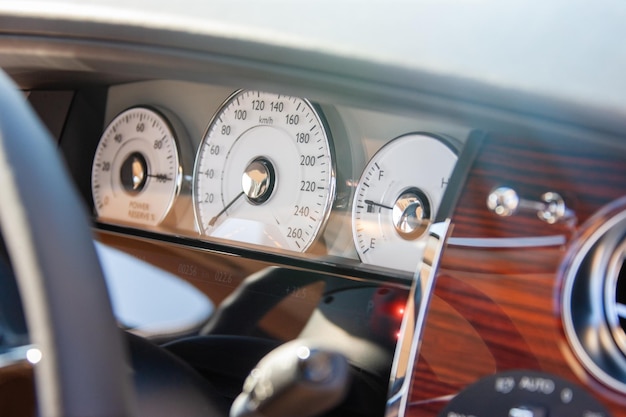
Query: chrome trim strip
x=413, y=321
x=508, y=242
x=443, y=398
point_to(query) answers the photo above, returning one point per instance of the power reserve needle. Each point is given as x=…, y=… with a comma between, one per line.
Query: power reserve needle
x=217, y=216
x=160, y=177
x=373, y=203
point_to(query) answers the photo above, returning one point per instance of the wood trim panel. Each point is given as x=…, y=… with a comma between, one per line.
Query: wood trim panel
x=499, y=309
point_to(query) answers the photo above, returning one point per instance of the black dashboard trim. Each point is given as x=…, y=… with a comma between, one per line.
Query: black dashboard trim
x=330, y=265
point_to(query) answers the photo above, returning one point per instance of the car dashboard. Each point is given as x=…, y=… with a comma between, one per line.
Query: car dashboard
x=460, y=240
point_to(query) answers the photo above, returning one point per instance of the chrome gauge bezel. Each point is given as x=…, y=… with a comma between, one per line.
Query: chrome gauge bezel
x=171, y=135
x=226, y=208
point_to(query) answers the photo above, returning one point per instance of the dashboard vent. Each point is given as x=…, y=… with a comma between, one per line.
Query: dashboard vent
x=615, y=297
x=594, y=297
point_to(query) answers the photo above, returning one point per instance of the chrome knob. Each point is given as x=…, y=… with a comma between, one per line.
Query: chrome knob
x=504, y=201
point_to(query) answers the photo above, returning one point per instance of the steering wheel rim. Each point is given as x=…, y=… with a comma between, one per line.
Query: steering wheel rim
x=84, y=367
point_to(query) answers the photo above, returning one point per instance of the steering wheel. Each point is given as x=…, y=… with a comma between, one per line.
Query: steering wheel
x=85, y=368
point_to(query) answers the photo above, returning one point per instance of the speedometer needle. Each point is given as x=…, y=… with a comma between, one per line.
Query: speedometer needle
x=372, y=203
x=217, y=216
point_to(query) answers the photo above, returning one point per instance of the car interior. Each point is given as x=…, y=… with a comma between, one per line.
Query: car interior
x=276, y=209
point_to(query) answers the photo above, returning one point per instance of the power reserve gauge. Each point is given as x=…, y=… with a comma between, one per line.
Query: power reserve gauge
x=136, y=172
x=398, y=196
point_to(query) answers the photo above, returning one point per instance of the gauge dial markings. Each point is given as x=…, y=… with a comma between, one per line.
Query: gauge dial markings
x=396, y=198
x=136, y=173
x=257, y=156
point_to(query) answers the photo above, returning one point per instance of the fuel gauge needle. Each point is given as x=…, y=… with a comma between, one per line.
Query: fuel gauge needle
x=217, y=216
x=373, y=203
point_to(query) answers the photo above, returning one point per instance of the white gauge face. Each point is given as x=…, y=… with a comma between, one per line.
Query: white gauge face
x=396, y=199
x=264, y=172
x=136, y=173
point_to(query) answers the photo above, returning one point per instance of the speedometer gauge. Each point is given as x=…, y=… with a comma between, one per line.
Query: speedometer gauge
x=397, y=197
x=264, y=172
x=136, y=173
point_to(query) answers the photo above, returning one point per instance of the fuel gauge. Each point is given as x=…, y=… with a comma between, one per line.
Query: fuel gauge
x=398, y=196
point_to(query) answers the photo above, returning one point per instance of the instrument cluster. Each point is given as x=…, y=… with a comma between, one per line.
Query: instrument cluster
x=272, y=171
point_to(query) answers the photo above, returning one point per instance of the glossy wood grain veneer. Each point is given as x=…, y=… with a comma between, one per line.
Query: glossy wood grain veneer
x=497, y=309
